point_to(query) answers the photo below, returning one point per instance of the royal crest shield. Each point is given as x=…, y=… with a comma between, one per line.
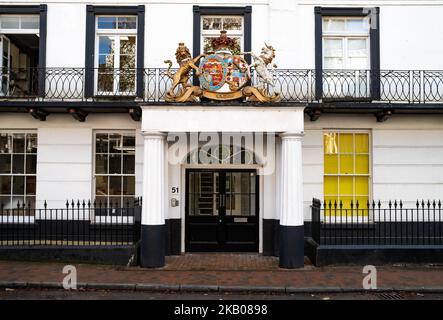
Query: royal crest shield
x=223, y=75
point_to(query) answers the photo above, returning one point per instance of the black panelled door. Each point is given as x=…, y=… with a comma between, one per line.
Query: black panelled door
x=221, y=210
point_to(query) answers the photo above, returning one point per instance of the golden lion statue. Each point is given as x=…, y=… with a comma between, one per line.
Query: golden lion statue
x=181, y=77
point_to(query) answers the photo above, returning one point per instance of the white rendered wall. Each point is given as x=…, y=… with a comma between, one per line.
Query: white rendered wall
x=65, y=153
x=407, y=156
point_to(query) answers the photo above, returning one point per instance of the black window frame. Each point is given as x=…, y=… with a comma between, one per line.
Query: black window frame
x=200, y=11
x=40, y=10
x=374, y=40
x=91, y=13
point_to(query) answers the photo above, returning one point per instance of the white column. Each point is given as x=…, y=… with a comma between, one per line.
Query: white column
x=152, y=250
x=291, y=253
x=153, y=211
x=291, y=187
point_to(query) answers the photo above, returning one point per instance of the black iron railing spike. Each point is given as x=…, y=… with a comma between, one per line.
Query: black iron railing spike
x=67, y=204
x=72, y=203
x=417, y=204
x=428, y=204
x=78, y=203
x=379, y=204
x=390, y=204
x=45, y=204
x=335, y=204
x=395, y=204
x=357, y=205
x=83, y=203
x=401, y=204
x=439, y=203
x=341, y=204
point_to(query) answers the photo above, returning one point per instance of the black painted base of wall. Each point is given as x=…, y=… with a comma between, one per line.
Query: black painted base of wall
x=292, y=242
x=114, y=255
x=376, y=255
x=152, y=246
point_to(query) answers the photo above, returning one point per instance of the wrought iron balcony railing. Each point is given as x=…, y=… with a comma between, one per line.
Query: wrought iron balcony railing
x=294, y=85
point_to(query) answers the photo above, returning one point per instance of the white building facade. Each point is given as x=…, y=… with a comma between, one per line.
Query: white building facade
x=83, y=116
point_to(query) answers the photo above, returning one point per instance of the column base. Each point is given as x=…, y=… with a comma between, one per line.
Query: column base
x=152, y=248
x=292, y=241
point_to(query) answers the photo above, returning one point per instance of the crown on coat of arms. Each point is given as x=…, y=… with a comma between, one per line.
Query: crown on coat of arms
x=223, y=42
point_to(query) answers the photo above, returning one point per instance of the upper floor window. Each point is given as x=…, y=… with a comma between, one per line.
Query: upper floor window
x=116, y=46
x=212, y=25
x=18, y=167
x=346, y=43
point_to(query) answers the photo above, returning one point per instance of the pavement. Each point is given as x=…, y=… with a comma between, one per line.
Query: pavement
x=222, y=273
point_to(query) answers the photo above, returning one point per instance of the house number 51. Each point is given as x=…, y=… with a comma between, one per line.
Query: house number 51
x=175, y=190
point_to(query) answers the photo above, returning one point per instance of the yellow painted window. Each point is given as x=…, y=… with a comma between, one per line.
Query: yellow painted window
x=346, y=168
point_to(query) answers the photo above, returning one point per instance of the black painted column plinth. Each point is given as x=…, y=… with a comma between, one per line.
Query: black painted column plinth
x=152, y=249
x=291, y=247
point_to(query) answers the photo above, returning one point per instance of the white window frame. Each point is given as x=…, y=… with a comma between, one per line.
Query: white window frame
x=26, y=219
x=369, y=175
x=216, y=33
x=117, y=33
x=108, y=218
x=345, y=36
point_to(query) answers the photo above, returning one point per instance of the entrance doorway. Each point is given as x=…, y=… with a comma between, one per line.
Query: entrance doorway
x=222, y=210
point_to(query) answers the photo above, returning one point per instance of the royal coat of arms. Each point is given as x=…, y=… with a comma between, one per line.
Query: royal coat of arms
x=222, y=75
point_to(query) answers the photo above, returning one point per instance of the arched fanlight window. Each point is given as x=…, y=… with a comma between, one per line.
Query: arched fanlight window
x=221, y=154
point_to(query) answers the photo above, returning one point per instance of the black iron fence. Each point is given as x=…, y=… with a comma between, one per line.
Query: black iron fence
x=79, y=223
x=372, y=223
x=294, y=85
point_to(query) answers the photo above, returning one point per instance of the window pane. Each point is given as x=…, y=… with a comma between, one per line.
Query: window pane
x=333, y=25
x=10, y=22
x=331, y=185
x=106, y=22
x=106, y=61
x=101, y=143
x=30, y=22
x=5, y=163
x=128, y=164
x=357, y=25
x=5, y=143
x=361, y=143
x=331, y=164
x=101, y=185
x=115, y=143
x=358, y=63
x=105, y=82
x=18, y=163
x=330, y=141
x=357, y=48
x=129, y=143
x=115, y=164
x=127, y=82
x=127, y=45
x=232, y=23
x=361, y=164
x=346, y=186
x=31, y=164
x=129, y=185
x=346, y=143
x=333, y=48
x=115, y=185
x=127, y=62
x=212, y=23
x=19, y=143
x=31, y=143
x=5, y=185
x=361, y=185
x=18, y=185
x=30, y=185
x=4, y=203
x=127, y=22
x=106, y=45
x=16, y=201
x=346, y=164
x=333, y=63
x=101, y=164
